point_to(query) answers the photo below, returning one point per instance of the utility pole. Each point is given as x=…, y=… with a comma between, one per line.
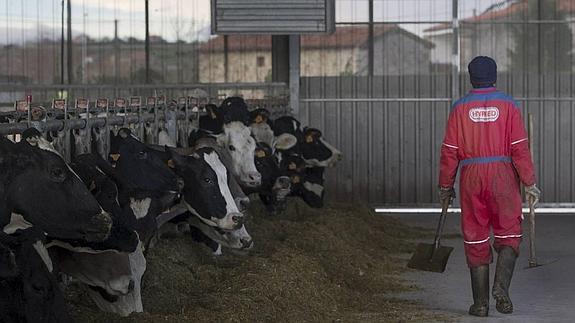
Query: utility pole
x=116, y=52
x=147, y=48
x=70, y=69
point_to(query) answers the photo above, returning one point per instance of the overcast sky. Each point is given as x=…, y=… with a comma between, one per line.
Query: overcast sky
x=189, y=19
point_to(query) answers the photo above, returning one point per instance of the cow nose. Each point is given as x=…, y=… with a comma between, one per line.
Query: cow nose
x=243, y=203
x=238, y=219
x=255, y=178
x=247, y=243
x=131, y=286
x=284, y=182
x=100, y=226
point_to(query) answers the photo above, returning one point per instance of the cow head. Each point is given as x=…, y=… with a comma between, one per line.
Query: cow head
x=238, y=239
x=33, y=294
x=144, y=168
x=241, y=146
x=41, y=188
x=260, y=127
x=316, y=151
x=206, y=190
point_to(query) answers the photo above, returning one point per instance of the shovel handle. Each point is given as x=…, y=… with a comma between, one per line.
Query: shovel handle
x=532, y=258
x=441, y=224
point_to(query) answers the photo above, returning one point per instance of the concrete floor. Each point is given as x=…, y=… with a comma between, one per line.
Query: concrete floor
x=541, y=294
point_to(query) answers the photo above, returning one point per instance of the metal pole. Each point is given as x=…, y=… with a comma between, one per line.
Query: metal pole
x=70, y=74
x=294, y=68
x=62, y=48
x=147, y=48
x=455, y=51
x=371, y=50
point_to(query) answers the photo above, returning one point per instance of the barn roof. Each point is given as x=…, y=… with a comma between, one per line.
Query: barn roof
x=343, y=37
x=504, y=9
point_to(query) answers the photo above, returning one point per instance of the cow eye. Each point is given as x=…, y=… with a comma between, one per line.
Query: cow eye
x=208, y=180
x=57, y=174
x=231, y=148
x=142, y=155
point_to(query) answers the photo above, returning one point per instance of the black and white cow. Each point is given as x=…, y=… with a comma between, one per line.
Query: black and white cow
x=304, y=155
x=206, y=191
x=29, y=291
x=63, y=207
x=112, y=269
x=261, y=126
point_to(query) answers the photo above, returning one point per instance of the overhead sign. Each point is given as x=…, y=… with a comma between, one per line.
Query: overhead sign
x=273, y=16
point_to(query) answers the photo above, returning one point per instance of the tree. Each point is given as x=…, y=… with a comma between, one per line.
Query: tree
x=552, y=52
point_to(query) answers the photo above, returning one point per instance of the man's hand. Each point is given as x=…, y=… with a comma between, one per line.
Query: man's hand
x=533, y=193
x=446, y=195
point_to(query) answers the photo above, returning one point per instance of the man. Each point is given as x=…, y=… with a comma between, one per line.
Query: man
x=486, y=136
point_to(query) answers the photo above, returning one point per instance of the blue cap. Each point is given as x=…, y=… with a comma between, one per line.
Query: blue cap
x=483, y=71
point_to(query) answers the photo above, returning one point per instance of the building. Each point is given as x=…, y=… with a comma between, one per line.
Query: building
x=345, y=52
x=484, y=34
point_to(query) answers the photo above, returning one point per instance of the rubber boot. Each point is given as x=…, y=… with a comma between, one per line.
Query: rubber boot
x=503, y=274
x=480, y=287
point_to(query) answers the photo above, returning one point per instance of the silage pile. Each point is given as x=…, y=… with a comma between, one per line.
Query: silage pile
x=337, y=263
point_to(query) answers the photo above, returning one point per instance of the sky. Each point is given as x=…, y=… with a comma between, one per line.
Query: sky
x=190, y=19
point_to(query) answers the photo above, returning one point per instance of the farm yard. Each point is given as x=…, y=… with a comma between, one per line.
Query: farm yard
x=287, y=161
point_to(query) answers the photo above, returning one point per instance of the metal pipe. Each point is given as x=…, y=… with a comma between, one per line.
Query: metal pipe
x=58, y=125
x=70, y=54
x=371, y=50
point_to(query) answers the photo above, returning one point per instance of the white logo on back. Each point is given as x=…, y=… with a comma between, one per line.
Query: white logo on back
x=488, y=114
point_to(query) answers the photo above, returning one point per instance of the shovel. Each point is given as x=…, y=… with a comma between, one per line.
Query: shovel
x=432, y=257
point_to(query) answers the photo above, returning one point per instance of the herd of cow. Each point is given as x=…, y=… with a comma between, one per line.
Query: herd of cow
x=91, y=221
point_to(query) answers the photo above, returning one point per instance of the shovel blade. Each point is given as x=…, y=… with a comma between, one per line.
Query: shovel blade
x=426, y=259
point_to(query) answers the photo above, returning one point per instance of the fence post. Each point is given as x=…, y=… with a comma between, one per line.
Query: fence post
x=455, y=51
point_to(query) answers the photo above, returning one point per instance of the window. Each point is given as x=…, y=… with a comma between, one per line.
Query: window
x=261, y=61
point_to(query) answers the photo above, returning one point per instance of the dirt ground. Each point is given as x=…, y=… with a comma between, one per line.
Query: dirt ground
x=335, y=264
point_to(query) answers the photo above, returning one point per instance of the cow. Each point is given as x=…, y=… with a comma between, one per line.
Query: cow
x=142, y=168
x=63, y=207
x=29, y=291
x=112, y=269
x=316, y=151
x=211, y=121
x=275, y=187
x=260, y=126
x=206, y=192
x=237, y=139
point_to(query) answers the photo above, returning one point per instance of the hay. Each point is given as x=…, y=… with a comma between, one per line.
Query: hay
x=334, y=264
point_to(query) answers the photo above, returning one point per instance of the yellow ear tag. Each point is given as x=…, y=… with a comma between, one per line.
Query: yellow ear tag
x=115, y=157
x=292, y=166
x=171, y=163
x=259, y=119
x=260, y=153
x=295, y=179
x=309, y=139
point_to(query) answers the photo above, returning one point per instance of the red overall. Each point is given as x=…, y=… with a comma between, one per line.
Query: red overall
x=486, y=136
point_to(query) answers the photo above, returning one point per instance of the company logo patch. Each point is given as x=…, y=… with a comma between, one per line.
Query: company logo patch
x=489, y=114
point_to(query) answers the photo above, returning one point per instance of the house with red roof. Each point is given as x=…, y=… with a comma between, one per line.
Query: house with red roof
x=344, y=52
x=486, y=34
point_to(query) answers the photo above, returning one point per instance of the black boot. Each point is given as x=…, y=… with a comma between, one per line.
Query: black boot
x=480, y=287
x=503, y=274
